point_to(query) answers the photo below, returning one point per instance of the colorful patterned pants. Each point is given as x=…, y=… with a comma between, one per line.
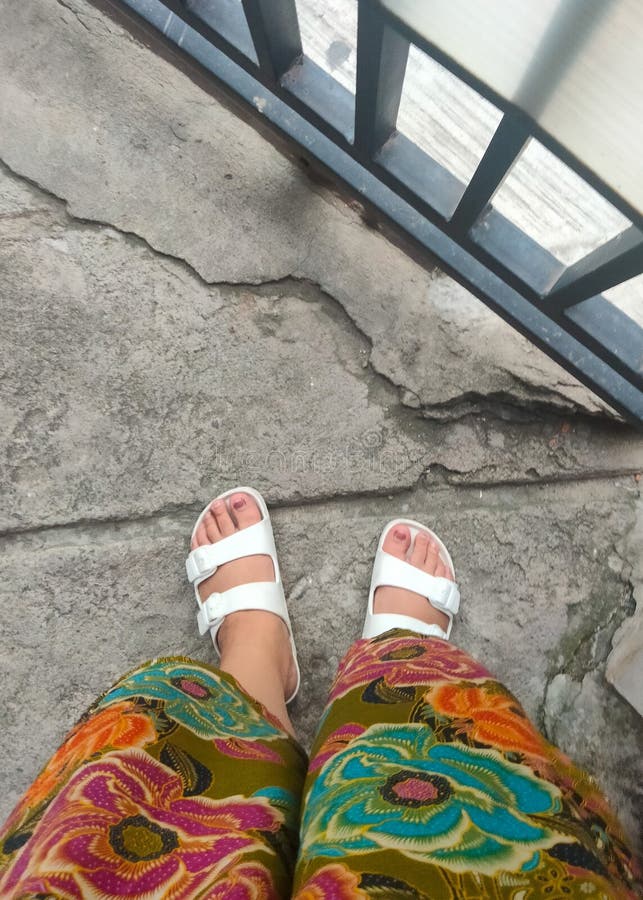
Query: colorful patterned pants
x=426, y=780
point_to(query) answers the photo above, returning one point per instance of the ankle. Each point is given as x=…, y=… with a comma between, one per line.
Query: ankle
x=259, y=656
x=254, y=629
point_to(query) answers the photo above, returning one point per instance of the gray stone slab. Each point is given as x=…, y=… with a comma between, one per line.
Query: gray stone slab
x=126, y=139
x=543, y=592
x=625, y=664
x=131, y=386
x=606, y=735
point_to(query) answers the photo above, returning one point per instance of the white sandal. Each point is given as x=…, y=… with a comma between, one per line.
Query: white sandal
x=203, y=562
x=391, y=571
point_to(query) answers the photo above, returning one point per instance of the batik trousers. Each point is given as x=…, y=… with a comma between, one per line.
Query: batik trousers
x=426, y=780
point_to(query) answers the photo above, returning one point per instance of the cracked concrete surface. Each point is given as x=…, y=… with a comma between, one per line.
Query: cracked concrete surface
x=183, y=311
x=154, y=347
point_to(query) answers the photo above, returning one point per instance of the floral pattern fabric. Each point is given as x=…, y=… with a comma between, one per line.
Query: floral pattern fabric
x=426, y=780
x=174, y=785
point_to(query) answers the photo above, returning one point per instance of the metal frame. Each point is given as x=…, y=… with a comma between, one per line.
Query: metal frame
x=559, y=308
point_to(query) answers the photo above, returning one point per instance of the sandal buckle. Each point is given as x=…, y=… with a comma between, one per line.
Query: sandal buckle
x=199, y=564
x=208, y=615
x=200, y=559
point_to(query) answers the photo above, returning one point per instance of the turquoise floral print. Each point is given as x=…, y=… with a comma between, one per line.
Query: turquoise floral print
x=397, y=787
x=172, y=785
x=176, y=785
x=205, y=704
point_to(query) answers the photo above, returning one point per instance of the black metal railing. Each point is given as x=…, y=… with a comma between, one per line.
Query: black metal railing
x=254, y=49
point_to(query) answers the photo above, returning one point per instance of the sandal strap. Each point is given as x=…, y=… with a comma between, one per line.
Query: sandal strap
x=263, y=595
x=379, y=623
x=442, y=593
x=255, y=540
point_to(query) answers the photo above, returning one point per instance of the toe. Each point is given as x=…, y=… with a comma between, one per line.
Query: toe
x=443, y=571
x=200, y=536
x=397, y=541
x=211, y=527
x=222, y=517
x=244, y=510
x=432, y=558
x=418, y=553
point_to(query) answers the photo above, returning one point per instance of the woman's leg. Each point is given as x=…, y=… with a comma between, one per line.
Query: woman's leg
x=182, y=781
x=428, y=780
x=255, y=646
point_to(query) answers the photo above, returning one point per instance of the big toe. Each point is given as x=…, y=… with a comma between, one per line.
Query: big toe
x=245, y=510
x=397, y=541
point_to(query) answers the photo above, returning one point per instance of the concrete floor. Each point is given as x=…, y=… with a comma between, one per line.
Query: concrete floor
x=183, y=310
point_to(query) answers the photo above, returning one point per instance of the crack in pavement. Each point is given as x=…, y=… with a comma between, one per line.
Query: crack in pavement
x=467, y=477
x=500, y=405
x=407, y=416
x=175, y=512
x=76, y=15
x=81, y=20
x=184, y=510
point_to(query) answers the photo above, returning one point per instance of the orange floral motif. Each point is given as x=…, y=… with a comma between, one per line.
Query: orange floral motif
x=115, y=727
x=333, y=881
x=489, y=715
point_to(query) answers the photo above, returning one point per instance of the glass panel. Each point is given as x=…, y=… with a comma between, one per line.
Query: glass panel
x=555, y=207
x=444, y=117
x=628, y=297
x=329, y=36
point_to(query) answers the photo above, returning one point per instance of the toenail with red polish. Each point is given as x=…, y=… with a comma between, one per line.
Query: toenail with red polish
x=399, y=534
x=240, y=503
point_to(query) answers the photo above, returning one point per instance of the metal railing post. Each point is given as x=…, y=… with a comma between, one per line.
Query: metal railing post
x=381, y=65
x=274, y=28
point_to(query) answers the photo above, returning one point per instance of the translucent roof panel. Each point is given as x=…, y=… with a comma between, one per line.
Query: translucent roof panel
x=575, y=66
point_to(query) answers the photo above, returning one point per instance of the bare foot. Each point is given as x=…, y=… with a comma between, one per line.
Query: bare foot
x=425, y=555
x=254, y=644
